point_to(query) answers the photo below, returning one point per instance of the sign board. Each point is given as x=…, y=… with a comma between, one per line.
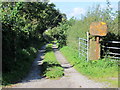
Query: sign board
x=98, y=29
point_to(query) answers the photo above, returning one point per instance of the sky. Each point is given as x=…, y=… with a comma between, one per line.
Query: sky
x=77, y=8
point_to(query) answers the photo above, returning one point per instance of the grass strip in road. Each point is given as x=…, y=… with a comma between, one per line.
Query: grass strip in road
x=51, y=67
x=102, y=70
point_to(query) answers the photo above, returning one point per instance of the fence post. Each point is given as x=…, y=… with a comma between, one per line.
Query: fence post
x=87, y=46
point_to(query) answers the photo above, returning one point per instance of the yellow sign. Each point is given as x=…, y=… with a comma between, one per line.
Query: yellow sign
x=98, y=29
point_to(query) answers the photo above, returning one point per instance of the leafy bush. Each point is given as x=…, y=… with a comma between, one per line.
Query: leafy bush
x=32, y=51
x=20, y=66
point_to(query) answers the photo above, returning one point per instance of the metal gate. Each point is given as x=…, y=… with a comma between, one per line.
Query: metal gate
x=83, y=47
x=111, y=49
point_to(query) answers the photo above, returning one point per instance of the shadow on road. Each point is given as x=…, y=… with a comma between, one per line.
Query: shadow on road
x=36, y=69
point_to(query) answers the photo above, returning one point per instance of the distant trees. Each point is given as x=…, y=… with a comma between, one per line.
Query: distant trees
x=59, y=33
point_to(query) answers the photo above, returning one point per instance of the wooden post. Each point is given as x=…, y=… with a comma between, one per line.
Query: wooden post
x=94, y=49
x=97, y=48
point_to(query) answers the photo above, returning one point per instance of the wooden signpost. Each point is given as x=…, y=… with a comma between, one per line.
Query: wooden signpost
x=97, y=29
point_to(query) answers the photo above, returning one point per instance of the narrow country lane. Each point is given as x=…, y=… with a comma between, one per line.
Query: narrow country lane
x=71, y=79
x=60, y=44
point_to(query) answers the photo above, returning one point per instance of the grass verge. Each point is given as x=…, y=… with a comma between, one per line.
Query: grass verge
x=100, y=70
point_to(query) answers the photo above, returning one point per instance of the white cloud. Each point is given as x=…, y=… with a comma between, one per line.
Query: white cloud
x=77, y=12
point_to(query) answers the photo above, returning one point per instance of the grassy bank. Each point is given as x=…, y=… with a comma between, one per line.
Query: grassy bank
x=51, y=67
x=101, y=70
